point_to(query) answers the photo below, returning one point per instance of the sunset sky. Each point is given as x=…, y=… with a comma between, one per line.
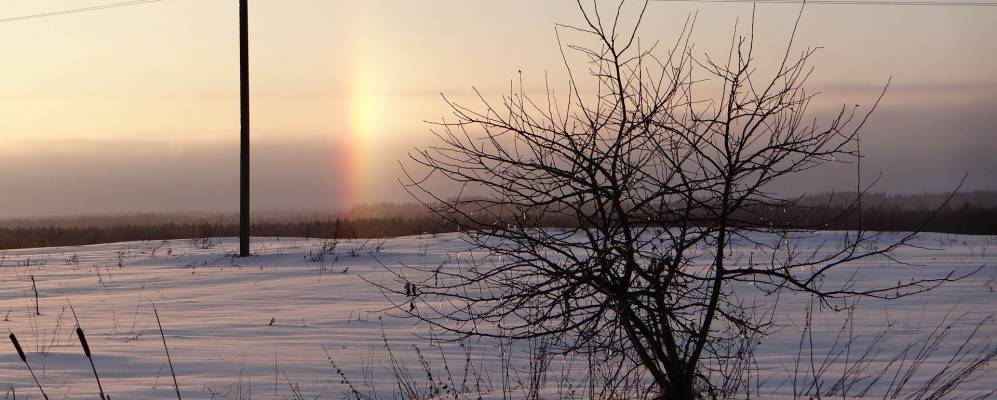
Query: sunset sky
x=135, y=109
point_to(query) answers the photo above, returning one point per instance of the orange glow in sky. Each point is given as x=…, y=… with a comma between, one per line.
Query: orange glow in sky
x=341, y=89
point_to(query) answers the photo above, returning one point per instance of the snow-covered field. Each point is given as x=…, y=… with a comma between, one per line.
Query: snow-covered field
x=263, y=326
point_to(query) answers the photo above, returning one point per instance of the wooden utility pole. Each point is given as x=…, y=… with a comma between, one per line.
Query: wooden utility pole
x=244, y=116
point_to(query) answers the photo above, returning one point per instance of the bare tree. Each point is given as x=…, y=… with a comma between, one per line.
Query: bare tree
x=606, y=216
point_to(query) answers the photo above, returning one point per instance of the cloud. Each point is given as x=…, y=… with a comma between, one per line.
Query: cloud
x=114, y=176
x=920, y=139
x=921, y=144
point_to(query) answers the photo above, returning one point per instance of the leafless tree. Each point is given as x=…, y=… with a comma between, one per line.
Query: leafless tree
x=605, y=217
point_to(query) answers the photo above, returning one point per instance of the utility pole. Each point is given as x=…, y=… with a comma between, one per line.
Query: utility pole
x=244, y=117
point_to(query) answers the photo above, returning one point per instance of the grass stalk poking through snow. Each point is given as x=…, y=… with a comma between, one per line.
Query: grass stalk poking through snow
x=34, y=287
x=167, y=348
x=24, y=359
x=86, y=351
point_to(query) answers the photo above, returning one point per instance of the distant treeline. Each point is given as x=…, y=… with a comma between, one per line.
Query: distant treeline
x=966, y=219
x=46, y=236
x=985, y=199
x=966, y=213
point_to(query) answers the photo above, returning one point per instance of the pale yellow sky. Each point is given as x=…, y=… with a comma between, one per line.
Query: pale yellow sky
x=152, y=89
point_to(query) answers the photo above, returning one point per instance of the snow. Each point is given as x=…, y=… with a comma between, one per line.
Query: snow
x=217, y=309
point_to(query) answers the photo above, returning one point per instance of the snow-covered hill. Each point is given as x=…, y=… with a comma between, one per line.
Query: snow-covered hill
x=267, y=323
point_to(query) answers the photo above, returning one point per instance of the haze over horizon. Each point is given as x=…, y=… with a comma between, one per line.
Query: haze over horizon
x=93, y=120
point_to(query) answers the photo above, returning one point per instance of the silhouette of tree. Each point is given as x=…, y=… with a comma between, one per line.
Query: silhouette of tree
x=660, y=182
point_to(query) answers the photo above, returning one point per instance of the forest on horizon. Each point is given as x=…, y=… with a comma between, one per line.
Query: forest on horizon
x=973, y=212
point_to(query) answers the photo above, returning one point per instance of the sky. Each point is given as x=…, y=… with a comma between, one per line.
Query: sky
x=135, y=109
